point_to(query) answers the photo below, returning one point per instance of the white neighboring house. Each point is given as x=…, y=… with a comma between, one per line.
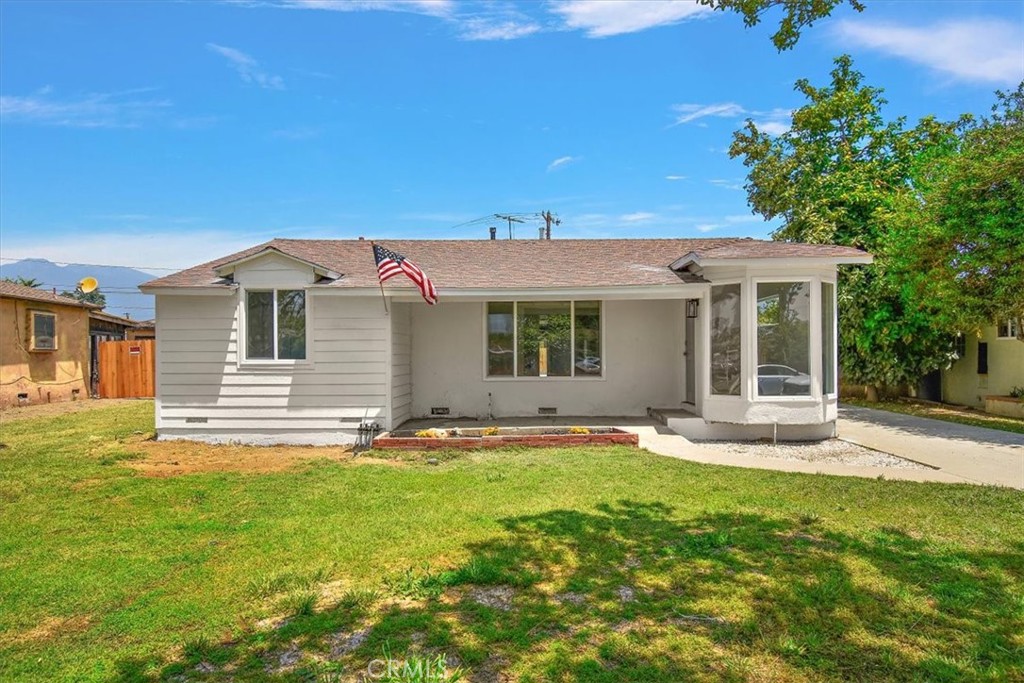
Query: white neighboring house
x=289, y=341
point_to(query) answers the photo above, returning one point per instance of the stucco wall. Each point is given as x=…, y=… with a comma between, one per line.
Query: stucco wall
x=643, y=358
x=962, y=384
x=401, y=359
x=46, y=376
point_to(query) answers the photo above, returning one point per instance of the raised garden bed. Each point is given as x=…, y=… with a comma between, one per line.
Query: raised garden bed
x=492, y=437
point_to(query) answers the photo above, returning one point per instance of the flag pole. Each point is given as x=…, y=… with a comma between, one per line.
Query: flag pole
x=379, y=281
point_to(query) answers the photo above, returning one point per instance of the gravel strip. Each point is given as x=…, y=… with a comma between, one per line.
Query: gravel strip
x=829, y=451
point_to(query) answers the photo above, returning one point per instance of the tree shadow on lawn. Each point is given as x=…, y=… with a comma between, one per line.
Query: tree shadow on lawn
x=627, y=592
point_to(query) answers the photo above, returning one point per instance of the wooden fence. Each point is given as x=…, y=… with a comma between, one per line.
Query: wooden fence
x=127, y=369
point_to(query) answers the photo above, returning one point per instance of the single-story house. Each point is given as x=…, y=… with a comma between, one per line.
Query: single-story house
x=290, y=341
x=44, y=346
x=989, y=366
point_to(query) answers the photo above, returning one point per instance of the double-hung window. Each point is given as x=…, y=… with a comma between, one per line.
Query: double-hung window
x=43, y=330
x=275, y=324
x=1007, y=329
x=544, y=339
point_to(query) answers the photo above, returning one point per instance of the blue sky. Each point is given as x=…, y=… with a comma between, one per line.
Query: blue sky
x=165, y=134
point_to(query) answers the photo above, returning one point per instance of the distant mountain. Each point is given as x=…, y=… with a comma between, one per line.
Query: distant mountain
x=118, y=284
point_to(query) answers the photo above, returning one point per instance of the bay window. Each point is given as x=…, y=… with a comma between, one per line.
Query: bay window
x=544, y=339
x=828, y=338
x=275, y=324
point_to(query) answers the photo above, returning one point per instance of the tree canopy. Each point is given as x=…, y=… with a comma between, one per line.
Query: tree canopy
x=93, y=297
x=797, y=14
x=833, y=178
x=959, y=237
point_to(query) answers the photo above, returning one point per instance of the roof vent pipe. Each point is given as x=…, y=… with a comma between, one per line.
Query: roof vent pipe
x=542, y=232
x=494, y=233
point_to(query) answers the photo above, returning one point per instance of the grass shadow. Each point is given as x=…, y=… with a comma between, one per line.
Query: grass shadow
x=629, y=592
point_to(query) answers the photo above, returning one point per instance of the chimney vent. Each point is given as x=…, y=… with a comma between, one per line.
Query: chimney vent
x=494, y=233
x=542, y=232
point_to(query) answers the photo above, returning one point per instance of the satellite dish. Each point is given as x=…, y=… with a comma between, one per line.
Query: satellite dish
x=88, y=284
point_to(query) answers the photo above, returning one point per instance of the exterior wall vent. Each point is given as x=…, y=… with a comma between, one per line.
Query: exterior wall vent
x=547, y=411
x=195, y=420
x=440, y=411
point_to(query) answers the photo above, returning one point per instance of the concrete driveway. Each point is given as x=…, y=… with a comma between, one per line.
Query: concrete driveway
x=971, y=454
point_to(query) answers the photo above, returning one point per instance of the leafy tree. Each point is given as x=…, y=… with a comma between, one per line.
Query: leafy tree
x=93, y=297
x=960, y=237
x=24, y=281
x=832, y=178
x=798, y=14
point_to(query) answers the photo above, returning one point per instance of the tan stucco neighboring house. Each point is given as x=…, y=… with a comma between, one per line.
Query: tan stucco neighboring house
x=290, y=340
x=991, y=364
x=44, y=346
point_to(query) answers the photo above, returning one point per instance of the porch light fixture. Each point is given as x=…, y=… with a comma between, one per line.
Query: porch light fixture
x=691, y=307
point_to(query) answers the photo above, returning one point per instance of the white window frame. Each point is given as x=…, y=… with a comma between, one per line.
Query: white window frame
x=515, y=344
x=1011, y=329
x=243, y=328
x=705, y=334
x=834, y=394
x=33, y=314
x=814, y=342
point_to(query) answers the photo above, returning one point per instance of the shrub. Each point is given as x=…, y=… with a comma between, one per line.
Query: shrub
x=491, y=431
x=1017, y=392
x=578, y=430
x=432, y=433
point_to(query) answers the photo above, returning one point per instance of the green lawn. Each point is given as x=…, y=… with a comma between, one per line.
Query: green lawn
x=605, y=564
x=935, y=411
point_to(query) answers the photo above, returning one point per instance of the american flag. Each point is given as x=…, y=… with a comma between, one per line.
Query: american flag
x=390, y=264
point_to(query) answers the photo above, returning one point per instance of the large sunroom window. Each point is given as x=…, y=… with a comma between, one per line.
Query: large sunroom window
x=544, y=339
x=726, y=366
x=783, y=338
x=828, y=338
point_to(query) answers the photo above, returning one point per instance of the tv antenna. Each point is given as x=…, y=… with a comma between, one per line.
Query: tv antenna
x=511, y=220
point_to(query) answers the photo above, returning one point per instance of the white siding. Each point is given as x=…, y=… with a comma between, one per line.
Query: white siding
x=643, y=365
x=401, y=359
x=200, y=377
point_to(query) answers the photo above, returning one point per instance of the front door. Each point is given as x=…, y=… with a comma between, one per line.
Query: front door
x=690, y=366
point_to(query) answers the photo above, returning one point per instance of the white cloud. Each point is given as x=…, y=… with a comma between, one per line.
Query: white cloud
x=727, y=184
x=602, y=18
x=479, y=28
x=675, y=177
x=772, y=127
x=708, y=227
x=692, y=112
x=979, y=50
x=638, y=217
x=247, y=67
x=95, y=110
x=434, y=8
x=561, y=162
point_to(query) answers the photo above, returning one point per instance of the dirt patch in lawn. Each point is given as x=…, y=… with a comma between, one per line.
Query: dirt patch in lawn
x=176, y=458
x=49, y=628
x=29, y=412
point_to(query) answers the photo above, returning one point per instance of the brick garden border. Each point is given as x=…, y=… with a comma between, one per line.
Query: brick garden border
x=415, y=443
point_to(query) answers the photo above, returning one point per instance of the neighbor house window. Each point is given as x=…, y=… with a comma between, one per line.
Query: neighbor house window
x=44, y=331
x=726, y=365
x=783, y=338
x=275, y=322
x=828, y=338
x=1007, y=329
x=544, y=339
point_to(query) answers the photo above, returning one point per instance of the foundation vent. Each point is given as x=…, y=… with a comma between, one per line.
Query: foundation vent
x=440, y=411
x=195, y=420
x=547, y=411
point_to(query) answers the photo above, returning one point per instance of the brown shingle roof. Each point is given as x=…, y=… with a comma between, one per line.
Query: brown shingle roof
x=505, y=264
x=16, y=291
